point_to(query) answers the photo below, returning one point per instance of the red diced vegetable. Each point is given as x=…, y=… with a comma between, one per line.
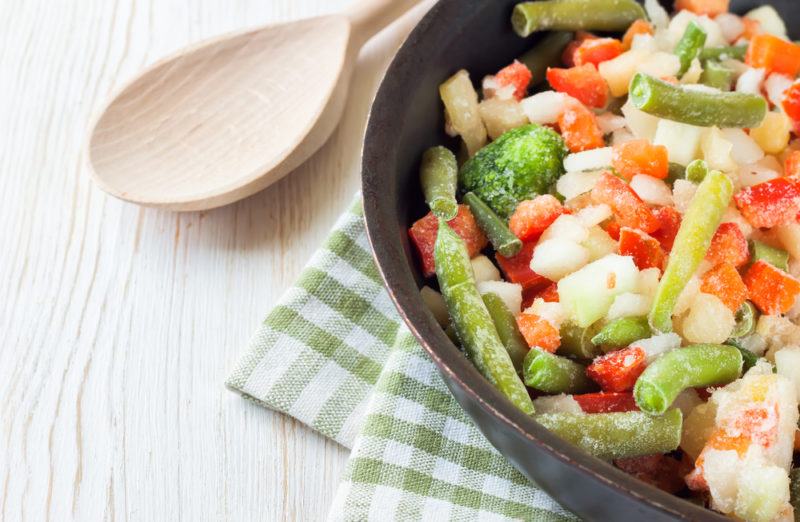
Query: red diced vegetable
x=618, y=371
x=582, y=82
x=669, y=222
x=538, y=332
x=532, y=217
x=517, y=269
x=518, y=75
x=612, y=228
x=725, y=282
x=606, y=402
x=640, y=157
x=423, y=235
x=597, y=50
x=769, y=204
x=791, y=166
x=638, y=27
x=791, y=101
x=728, y=246
x=629, y=209
x=661, y=471
x=771, y=289
x=568, y=56
x=774, y=54
x=703, y=7
x=645, y=250
x=550, y=293
x=579, y=127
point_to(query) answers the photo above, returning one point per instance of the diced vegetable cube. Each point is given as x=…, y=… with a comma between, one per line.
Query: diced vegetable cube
x=566, y=227
x=789, y=236
x=484, y=269
x=724, y=282
x=652, y=191
x=642, y=125
x=517, y=269
x=787, y=362
x=660, y=65
x=745, y=150
x=597, y=50
x=532, y=217
x=638, y=27
x=697, y=428
x=568, y=56
x=640, y=157
x=772, y=290
x=681, y=140
x=509, y=293
x=773, y=54
x=728, y=246
x=703, y=7
x=619, y=71
x=771, y=203
x=645, y=250
x=717, y=151
x=791, y=101
x=582, y=82
x=628, y=208
x=573, y=184
x=709, y=320
x=731, y=26
x=579, y=127
x=773, y=134
x=595, y=159
x=556, y=404
x=461, y=109
x=557, y=258
x=618, y=371
x=516, y=74
x=768, y=19
x=604, y=402
x=629, y=305
x=423, y=235
x=545, y=108
x=763, y=494
x=594, y=215
x=669, y=222
x=538, y=332
x=791, y=165
x=599, y=244
x=500, y=116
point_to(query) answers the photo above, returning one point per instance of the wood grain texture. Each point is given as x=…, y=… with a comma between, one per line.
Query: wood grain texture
x=119, y=324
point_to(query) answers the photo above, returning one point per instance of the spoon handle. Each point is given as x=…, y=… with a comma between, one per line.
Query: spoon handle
x=370, y=16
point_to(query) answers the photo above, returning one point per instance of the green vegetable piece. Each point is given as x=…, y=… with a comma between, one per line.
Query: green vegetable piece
x=576, y=342
x=471, y=319
x=749, y=359
x=717, y=75
x=676, y=172
x=439, y=178
x=695, y=366
x=694, y=107
x=550, y=373
x=775, y=256
x=622, y=332
x=502, y=239
x=723, y=52
x=746, y=318
x=689, y=46
x=699, y=224
x=547, y=53
x=521, y=164
x=507, y=329
x=574, y=15
x=696, y=171
x=617, y=435
x=794, y=489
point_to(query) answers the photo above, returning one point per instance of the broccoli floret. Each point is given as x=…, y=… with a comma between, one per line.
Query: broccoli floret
x=519, y=165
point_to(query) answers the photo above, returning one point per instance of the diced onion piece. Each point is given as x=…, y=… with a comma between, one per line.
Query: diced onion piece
x=599, y=244
x=693, y=74
x=435, y=303
x=484, y=269
x=609, y=122
x=648, y=282
x=787, y=362
x=789, y=236
x=629, y=305
x=510, y=293
x=660, y=65
x=652, y=191
x=556, y=404
x=769, y=20
x=776, y=86
x=461, y=107
x=593, y=159
x=500, y=116
x=573, y=184
x=759, y=172
x=682, y=193
x=656, y=13
x=750, y=81
x=557, y=258
x=545, y=107
x=709, y=320
x=566, y=227
x=717, y=150
x=731, y=26
x=681, y=140
x=687, y=296
x=619, y=71
x=773, y=133
x=657, y=345
x=745, y=150
x=641, y=124
x=553, y=313
x=594, y=215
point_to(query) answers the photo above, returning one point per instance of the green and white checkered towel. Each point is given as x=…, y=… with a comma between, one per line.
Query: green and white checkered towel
x=334, y=355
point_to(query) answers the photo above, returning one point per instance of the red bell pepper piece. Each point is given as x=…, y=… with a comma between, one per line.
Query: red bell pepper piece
x=771, y=289
x=604, y=402
x=568, y=56
x=791, y=166
x=582, y=82
x=423, y=236
x=725, y=282
x=532, y=217
x=645, y=250
x=774, y=54
x=618, y=371
x=640, y=157
x=597, y=50
x=669, y=222
x=517, y=269
x=538, y=332
x=728, y=246
x=516, y=74
x=579, y=128
x=769, y=204
x=629, y=210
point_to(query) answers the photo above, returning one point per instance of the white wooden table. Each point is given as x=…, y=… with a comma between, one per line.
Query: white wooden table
x=119, y=324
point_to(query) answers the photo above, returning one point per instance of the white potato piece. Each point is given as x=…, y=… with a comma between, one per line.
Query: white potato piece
x=776, y=86
x=593, y=215
x=619, y=71
x=484, y=269
x=629, y=305
x=745, y=150
x=553, y=313
x=599, y=244
x=545, y=107
x=660, y=65
x=657, y=14
x=731, y=26
x=648, y=282
x=566, y=227
x=556, y=404
x=709, y=320
x=717, y=150
x=500, y=116
x=774, y=132
x=681, y=140
x=593, y=159
x=787, y=362
x=769, y=20
x=641, y=124
x=573, y=184
x=652, y=191
x=557, y=258
x=683, y=191
x=789, y=236
x=462, y=113
x=658, y=345
x=610, y=122
x=750, y=81
x=510, y=293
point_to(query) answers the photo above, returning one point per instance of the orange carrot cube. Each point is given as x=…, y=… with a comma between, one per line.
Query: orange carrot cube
x=582, y=82
x=618, y=371
x=791, y=102
x=791, y=166
x=568, y=56
x=774, y=54
x=579, y=128
x=532, y=217
x=629, y=210
x=725, y=282
x=538, y=332
x=597, y=50
x=728, y=246
x=771, y=289
x=640, y=157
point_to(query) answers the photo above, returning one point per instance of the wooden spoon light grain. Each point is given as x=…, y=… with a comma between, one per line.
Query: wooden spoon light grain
x=225, y=119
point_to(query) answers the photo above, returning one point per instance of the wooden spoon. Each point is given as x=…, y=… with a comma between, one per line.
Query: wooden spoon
x=224, y=119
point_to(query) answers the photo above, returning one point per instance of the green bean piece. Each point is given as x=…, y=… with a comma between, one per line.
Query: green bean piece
x=676, y=172
x=737, y=52
x=696, y=171
x=749, y=359
x=550, y=373
x=577, y=342
x=689, y=46
x=471, y=319
x=700, y=223
x=507, y=329
x=622, y=332
x=439, y=178
x=502, y=239
x=746, y=319
x=695, y=107
x=695, y=366
x=775, y=256
x=574, y=15
x=717, y=75
x=794, y=490
x=617, y=435
x=547, y=53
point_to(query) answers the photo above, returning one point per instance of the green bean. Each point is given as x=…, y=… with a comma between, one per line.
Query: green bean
x=775, y=256
x=689, y=46
x=471, y=319
x=507, y=329
x=577, y=342
x=547, y=53
x=746, y=318
x=617, y=435
x=695, y=107
x=700, y=223
x=749, y=359
x=622, y=332
x=439, y=178
x=717, y=75
x=696, y=171
x=736, y=52
x=502, y=239
x=695, y=366
x=794, y=490
x=574, y=15
x=676, y=172
x=550, y=373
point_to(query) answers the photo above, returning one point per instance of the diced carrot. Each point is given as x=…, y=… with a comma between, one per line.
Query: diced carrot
x=771, y=289
x=661, y=471
x=728, y=246
x=516, y=74
x=603, y=402
x=579, y=128
x=423, y=235
x=582, y=82
x=725, y=282
x=629, y=210
x=517, y=269
x=597, y=50
x=618, y=371
x=640, y=157
x=532, y=217
x=791, y=101
x=645, y=250
x=791, y=166
x=568, y=56
x=752, y=28
x=703, y=7
x=769, y=204
x=774, y=54
x=538, y=332
x=640, y=26
x=669, y=222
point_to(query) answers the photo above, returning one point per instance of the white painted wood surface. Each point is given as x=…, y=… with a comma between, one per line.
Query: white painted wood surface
x=118, y=324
